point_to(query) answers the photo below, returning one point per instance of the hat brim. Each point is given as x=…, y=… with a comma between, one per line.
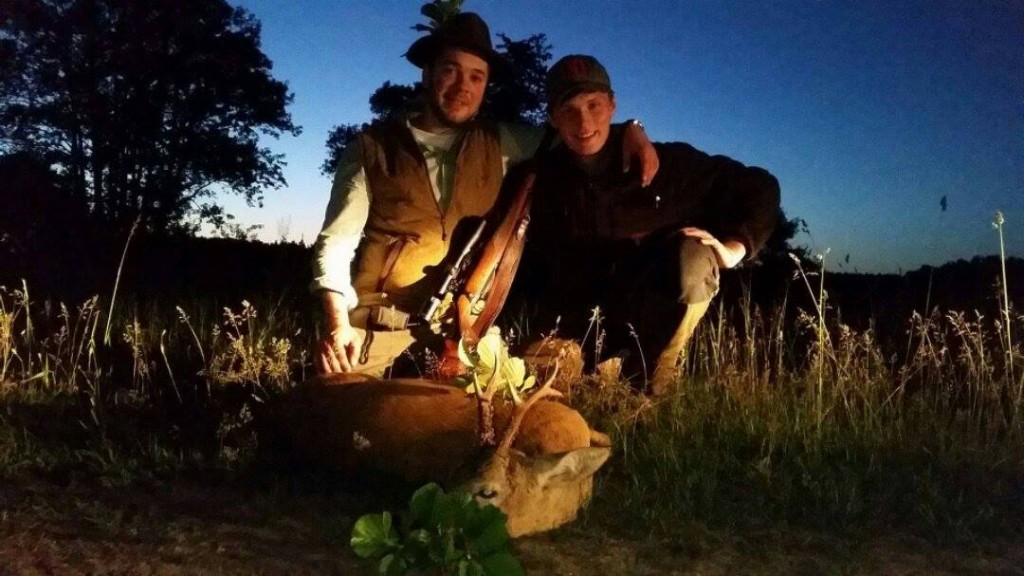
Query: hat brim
x=423, y=51
x=576, y=90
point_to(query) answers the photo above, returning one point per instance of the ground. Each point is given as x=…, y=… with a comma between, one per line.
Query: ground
x=189, y=527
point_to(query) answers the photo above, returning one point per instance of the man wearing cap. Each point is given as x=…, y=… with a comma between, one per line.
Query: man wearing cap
x=402, y=189
x=649, y=258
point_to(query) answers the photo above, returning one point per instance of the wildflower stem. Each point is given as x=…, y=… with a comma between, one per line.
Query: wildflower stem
x=998, y=223
x=117, y=281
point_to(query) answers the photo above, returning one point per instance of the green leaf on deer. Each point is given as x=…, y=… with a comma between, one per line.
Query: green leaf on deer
x=442, y=515
x=416, y=549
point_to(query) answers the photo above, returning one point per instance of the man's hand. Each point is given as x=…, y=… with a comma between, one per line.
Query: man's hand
x=728, y=253
x=636, y=146
x=339, y=350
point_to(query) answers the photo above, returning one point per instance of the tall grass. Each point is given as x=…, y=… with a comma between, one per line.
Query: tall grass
x=783, y=415
x=810, y=421
x=170, y=382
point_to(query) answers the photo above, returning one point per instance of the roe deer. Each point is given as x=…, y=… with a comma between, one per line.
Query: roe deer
x=539, y=474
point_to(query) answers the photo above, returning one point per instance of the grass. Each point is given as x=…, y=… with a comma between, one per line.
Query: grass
x=833, y=433
x=784, y=417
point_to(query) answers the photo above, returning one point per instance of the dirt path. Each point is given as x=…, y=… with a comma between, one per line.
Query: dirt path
x=191, y=529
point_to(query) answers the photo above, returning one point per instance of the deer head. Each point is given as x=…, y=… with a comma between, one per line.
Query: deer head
x=537, y=492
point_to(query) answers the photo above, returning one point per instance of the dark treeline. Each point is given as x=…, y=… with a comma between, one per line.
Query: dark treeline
x=883, y=303
x=67, y=259
x=64, y=254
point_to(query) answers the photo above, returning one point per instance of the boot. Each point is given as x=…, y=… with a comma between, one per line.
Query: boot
x=665, y=373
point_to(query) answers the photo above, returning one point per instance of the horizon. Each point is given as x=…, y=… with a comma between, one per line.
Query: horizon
x=894, y=130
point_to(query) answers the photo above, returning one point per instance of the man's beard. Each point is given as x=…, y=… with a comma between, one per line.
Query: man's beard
x=443, y=118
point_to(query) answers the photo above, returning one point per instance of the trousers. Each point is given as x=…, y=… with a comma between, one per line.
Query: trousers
x=637, y=301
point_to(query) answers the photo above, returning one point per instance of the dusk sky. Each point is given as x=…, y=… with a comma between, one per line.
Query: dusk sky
x=867, y=112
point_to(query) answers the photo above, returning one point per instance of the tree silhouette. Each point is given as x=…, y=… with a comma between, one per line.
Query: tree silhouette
x=391, y=100
x=144, y=109
x=519, y=94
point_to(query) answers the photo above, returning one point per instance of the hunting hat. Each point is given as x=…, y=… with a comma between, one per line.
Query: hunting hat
x=465, y=31
x=574, y=74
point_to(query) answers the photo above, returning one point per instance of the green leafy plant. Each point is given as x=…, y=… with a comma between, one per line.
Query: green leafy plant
x=492, y=369
x=445, y=534
x=438, y=12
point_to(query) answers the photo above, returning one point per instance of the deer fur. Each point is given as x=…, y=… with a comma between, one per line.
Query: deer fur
x=423, y=431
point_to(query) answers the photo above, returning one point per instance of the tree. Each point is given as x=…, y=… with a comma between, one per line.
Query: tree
x=337, y=139
x=519, y=94
x=144, y=109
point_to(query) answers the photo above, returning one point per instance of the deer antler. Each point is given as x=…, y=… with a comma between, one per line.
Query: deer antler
x=485, y=409
x=521, y=409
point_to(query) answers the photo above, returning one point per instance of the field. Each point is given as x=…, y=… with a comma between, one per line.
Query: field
x=820, y=428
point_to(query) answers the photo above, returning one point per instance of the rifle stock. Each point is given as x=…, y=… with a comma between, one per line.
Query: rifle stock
x=493, y=272
x=452, y=273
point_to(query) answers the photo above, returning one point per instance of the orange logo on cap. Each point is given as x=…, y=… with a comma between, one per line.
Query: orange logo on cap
x=578, y=68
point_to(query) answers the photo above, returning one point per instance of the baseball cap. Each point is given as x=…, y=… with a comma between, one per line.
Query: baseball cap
x=573, y=74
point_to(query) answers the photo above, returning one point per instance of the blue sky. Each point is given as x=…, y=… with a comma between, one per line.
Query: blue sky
x=867, y=112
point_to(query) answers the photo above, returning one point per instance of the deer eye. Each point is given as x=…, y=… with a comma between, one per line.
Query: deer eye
x=487, y=493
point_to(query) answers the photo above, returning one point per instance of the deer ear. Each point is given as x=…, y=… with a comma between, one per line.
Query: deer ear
x=568, y=466
x=600, y=439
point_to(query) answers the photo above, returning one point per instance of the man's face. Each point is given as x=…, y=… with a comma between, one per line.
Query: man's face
x=455, y=85
x=584, y=120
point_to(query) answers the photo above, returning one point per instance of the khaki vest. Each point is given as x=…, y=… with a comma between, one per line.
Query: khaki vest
x=406, y=228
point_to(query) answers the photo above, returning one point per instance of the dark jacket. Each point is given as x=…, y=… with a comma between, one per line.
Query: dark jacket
x=574, y=207
x=597, y=237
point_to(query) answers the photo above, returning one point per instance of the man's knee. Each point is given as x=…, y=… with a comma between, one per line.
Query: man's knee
x=698, y=271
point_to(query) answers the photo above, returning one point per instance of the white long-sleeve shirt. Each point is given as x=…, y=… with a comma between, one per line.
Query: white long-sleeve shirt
x=349, y=205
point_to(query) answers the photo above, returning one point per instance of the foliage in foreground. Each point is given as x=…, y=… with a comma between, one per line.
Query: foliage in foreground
x=446, y=534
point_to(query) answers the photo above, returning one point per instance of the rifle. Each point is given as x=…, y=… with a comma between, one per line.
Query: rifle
x=490, y=279
x=486, y=288
x=453, y=272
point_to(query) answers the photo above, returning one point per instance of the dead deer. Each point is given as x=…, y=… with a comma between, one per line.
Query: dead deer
x=540, y=473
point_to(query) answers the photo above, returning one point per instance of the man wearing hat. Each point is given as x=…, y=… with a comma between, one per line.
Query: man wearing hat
x=648, y=257
x=401, y=191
